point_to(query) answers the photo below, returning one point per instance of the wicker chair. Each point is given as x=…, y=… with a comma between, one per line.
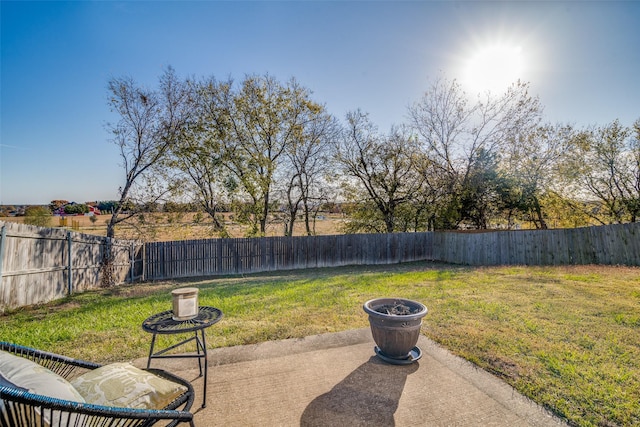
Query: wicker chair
x=21, y=406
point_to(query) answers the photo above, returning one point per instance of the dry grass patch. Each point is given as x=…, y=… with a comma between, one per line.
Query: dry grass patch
x=152, y=227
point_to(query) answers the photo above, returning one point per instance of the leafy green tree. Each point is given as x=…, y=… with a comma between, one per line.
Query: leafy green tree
x=37, y=215
x=606, y=166
x=76, y=209
x=532, y=165
x=198, y=155
x=107, y=207
x=363, y=217
x=480, y=196
x=265, y=118
x=567, y=212
x=175, y=207
x=241, y=143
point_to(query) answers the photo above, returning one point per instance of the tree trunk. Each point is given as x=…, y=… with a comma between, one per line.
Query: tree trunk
x=540, y=216
x=263, y=217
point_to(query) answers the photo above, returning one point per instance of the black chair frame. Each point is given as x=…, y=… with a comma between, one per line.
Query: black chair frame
x=20, y=406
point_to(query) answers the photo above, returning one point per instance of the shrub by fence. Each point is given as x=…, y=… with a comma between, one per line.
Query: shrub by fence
x=41, y=264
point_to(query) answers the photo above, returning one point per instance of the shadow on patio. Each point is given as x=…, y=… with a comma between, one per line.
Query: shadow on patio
x=335, y=379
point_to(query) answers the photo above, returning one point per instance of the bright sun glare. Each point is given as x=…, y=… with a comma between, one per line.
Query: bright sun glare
x=493, y=68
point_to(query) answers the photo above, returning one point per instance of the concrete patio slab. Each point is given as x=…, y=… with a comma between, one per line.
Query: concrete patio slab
x=336, y=380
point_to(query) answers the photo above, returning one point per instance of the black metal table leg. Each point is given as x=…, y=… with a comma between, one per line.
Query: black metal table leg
x=164, y=323
x=206, y=369
x=153, y=342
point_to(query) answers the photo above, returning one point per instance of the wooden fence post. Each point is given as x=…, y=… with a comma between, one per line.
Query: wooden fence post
x=69, y=265
x=3, y=238
x=132, y=263
x=144, y=262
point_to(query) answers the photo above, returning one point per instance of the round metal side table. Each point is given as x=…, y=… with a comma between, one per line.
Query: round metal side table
x=164, y=323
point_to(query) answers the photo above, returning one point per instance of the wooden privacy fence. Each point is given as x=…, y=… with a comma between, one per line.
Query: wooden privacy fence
x=189, y=258
x=42, y=264
x=612, y=244
x=609, y=244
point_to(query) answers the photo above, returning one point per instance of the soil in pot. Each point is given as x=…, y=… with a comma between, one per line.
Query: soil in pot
x=396, y=309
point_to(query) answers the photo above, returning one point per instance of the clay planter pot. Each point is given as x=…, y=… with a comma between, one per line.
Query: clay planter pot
x=395, y=326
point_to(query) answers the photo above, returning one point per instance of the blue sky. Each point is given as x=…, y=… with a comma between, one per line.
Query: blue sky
x=581, y=58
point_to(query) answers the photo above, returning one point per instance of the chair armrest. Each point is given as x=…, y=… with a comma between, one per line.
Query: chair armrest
x=15, y=399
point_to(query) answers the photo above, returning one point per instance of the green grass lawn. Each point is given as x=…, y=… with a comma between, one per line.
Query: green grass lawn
x=567, y=337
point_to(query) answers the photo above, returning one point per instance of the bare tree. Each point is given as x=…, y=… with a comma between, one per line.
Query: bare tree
x=385, y=167
x=150, y=123
x=307, y=163
x=459, y=136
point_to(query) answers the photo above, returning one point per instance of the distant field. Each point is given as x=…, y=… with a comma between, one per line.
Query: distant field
x=174, y=226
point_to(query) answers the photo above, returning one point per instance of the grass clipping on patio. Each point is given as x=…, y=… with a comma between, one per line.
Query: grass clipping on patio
x=567, y=337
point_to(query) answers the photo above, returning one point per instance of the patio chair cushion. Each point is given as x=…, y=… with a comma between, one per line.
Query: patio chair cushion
x=36, y=378
x=26, y=374
x=124, y=385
